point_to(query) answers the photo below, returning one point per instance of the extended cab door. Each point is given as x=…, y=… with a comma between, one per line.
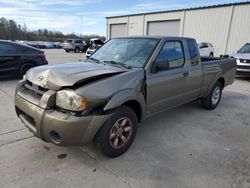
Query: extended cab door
x=171, y=87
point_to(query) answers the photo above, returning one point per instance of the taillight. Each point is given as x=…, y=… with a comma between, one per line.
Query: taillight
x=41, y=54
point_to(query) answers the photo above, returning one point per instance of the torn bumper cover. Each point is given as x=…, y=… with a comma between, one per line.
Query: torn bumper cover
x=52, y=125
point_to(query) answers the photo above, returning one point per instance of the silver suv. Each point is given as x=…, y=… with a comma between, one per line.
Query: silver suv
x=76, y=45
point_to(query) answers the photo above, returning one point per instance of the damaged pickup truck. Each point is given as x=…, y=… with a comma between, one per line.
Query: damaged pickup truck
x=127, y=80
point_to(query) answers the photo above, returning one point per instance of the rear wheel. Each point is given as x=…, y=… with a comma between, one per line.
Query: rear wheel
x=67, y=51
x=118, y=132
x=77, y=50
x=24, y=68
x=213, y=99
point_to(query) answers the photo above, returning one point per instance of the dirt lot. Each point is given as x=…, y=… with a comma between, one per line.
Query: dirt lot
x=183, y=147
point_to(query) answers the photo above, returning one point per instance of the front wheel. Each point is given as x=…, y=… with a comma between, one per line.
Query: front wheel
x=118, y=132
x=213, y=99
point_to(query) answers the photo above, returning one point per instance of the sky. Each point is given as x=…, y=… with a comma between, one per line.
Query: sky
x=67, y=15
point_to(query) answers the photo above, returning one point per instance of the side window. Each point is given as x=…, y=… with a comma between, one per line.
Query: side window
x=192, y=48
x=7, y=48
x=172, y=52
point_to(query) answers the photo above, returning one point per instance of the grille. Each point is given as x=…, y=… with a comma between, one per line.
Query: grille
x=243, y=67
x=38, y=90
x=245, y=60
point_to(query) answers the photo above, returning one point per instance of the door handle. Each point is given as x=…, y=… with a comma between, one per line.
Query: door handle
x=185, y=74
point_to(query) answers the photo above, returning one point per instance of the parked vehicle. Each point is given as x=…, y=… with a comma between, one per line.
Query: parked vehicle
x=206, y=49
x=76, y=45
x=16, y=59
x=243, y=60
x=94, y=44
x=104, y=98
x=57, y=44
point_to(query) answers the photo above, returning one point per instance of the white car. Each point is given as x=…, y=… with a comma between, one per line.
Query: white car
x=94, y=44
x=243, y=60
x=206, y=49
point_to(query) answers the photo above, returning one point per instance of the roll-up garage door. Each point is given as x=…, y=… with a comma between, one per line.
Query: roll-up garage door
x=168, y=27
x=118, y=30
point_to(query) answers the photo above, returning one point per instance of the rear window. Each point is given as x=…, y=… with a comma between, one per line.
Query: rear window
x=98, y=42
x=192, y=48
x=78, y=41
x=68, y=41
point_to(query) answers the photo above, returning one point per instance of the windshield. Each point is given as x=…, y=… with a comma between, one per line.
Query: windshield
x=245, y=48
x=132, y=52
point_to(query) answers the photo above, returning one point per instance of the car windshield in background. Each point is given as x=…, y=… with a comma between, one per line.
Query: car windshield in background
x=129, y=51
x=245, y=48
x=68, y=41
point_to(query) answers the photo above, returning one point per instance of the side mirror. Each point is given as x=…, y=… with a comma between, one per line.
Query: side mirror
x=161, y=65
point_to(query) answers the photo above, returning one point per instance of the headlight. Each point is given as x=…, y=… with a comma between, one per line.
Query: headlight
x=68, y=99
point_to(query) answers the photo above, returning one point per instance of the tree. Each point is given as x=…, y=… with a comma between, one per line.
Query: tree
x=10, y=30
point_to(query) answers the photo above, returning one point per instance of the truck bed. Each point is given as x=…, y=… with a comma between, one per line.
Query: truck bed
x=214, y=67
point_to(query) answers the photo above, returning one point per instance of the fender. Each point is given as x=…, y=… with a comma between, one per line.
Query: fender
x=127, y=95
x=217, y=77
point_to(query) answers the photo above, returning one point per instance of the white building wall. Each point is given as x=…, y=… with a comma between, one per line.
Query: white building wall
x=119, y=20
x=162, y=17
x=135, y=25
x=209, y=25
x=227, y=28
x=240, y=28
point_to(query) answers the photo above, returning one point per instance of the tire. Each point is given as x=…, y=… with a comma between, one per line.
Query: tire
x=211, y=55
x=77, y=50
x=24, y=68
x=213, y=99
x=67, y=51
x=114, y=138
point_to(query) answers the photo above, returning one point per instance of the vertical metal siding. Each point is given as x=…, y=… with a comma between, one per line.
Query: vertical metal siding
x=227, y=28
x=240, y=28
x=208, y=25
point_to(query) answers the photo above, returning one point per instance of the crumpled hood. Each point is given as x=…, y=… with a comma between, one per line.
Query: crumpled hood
x=241, y=56
x=61, y=75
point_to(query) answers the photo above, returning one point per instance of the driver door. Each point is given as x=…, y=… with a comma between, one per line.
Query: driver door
x=167, y=88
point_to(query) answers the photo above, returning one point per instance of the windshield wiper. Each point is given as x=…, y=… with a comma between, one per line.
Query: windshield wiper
x=93, y=59
x=117, y=63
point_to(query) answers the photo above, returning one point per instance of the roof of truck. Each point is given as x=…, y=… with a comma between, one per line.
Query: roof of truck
x=153, y=37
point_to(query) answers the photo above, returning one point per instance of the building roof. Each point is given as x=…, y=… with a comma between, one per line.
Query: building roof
x=184, y=9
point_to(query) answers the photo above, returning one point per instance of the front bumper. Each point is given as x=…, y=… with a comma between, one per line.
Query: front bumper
x=52, y=125
x=243, y=70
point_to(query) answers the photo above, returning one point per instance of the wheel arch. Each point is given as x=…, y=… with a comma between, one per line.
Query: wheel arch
x=220, y=79
x=130, y=98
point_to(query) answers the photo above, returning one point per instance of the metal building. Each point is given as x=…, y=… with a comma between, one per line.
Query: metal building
x=226, y=26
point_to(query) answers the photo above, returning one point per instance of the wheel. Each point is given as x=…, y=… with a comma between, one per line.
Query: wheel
x=24, y=68
x=211, y=55
x=77, y=50
x=118, y=132
x=213, y=99
x=67, y=51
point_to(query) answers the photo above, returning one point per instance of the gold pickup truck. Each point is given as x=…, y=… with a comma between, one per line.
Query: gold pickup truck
x=125, y=81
